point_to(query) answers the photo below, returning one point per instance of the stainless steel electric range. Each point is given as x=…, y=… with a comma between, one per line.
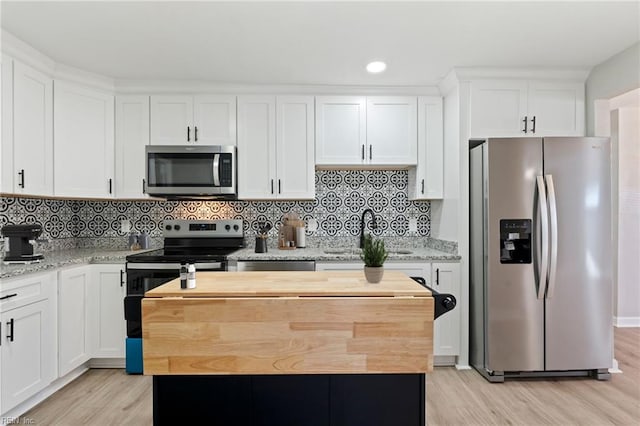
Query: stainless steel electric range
x=205, y=243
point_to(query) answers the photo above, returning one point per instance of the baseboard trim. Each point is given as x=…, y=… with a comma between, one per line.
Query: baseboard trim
x=17, y=411
x=626, y=322
x=107, y=363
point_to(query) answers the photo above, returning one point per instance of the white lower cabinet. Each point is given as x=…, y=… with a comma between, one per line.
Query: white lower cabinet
x=74, y=337
x=108, y=324
x=445, y=278
x=27, y=339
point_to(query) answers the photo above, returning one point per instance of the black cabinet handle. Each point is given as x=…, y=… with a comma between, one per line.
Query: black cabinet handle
x=533, y=122
x=437, y=276
x=195, y=133
x=110, y=186
x=10, y=325
x=279, y=187
x=370, y=152
x=423, y=186
x=21, y=174
x=8, y=296
x=121, y=278
x=188, y=134
x=524, y=120
x=272, y=186
x=144, y=186
x=363, y=151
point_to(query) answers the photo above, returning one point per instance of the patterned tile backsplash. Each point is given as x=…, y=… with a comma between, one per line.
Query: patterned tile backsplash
x=341, y=197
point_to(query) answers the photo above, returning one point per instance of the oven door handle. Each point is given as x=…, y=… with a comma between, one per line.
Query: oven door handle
x=173, y=266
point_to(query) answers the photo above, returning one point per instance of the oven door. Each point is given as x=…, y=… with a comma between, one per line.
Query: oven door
x=142, y=277
x=191, y=170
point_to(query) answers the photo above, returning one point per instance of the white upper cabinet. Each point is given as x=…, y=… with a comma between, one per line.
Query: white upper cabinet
x=275, y=147
x=132, y=135
x=392, y=130
x=426, y=180
x=295, y=167
x=27, y=130
x=341, y=130
x=214, y=119
x=558, y=108
x=256, y=147
x=84, y=142
x=508, y=108
x=358, y=131
x=205, y=120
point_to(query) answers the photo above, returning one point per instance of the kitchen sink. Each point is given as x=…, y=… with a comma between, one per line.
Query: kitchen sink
x=358, y=251
x=342, y=251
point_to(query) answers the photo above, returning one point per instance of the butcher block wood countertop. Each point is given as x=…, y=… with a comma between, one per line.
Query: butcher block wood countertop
x=293, y=284
x=325, y=322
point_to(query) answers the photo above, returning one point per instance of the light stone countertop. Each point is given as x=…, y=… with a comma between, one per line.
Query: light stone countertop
x=60, y=259
x=336, y=254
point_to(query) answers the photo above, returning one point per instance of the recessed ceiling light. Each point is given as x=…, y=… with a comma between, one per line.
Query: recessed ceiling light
x=376, y=67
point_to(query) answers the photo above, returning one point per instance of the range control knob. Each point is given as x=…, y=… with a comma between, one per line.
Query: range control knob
x=236, y=227
x=168, y=227
x=227, y=227
x=176, y=227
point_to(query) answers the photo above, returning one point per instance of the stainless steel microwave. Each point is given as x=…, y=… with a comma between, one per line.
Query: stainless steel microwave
x=183, y=171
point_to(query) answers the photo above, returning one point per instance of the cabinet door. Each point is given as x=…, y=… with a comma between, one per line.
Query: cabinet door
x=340, y=130
x=6, y=97
x=28, y=352
x=74, y=343
x=257, y=147
x=172, y=120
x=108, y=325
x=392, y=130
x=558, y=109
x=83, y=151
x=214, y=120
x=426, y=181
x=445, y=278
x=32, y=131
x=294, y=147
x=132, y=135
x=498, y=108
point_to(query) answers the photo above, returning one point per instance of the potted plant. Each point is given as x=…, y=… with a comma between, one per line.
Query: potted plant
x=373, y=255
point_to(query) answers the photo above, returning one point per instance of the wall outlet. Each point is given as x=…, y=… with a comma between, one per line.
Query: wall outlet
x=125, y=226
x=413, y=225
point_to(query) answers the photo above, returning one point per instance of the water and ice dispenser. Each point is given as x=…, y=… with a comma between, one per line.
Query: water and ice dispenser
x=515, y=240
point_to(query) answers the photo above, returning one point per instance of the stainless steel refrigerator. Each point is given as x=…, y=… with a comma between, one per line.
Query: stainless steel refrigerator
x=540, y=257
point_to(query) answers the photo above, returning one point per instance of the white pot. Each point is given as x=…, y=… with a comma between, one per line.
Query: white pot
x=373, y=274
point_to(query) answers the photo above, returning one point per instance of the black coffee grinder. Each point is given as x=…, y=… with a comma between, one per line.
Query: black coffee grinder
x=19, y=246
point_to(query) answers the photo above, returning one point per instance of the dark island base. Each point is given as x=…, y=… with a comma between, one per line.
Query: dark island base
x=290, y=400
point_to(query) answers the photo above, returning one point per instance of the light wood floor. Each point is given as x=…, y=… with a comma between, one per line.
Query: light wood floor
x=110, y=397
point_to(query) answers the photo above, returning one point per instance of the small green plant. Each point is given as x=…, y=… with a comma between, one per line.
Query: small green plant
x=373, y=253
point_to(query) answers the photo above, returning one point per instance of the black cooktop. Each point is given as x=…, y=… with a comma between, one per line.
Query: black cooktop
x=182, y=255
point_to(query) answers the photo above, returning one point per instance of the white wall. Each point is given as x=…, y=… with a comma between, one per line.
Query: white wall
x=625, y=139
x=618, y=75
x=444, y=213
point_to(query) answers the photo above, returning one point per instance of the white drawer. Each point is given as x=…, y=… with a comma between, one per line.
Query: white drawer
x=16, y=292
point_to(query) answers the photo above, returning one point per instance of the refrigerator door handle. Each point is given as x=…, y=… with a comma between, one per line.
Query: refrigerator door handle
x=553, y=219
x=544, y=224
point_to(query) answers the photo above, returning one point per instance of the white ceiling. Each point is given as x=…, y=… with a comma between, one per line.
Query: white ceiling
x=320, y=42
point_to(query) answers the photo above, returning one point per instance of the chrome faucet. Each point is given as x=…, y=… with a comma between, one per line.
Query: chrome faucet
x=374, y=225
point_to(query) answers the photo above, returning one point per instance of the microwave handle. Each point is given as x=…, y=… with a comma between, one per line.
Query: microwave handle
x=216, y=170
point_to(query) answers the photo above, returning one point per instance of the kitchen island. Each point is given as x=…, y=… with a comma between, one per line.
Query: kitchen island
x=289, y=348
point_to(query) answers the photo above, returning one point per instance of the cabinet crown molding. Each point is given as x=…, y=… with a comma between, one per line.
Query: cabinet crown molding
x=476, y=73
